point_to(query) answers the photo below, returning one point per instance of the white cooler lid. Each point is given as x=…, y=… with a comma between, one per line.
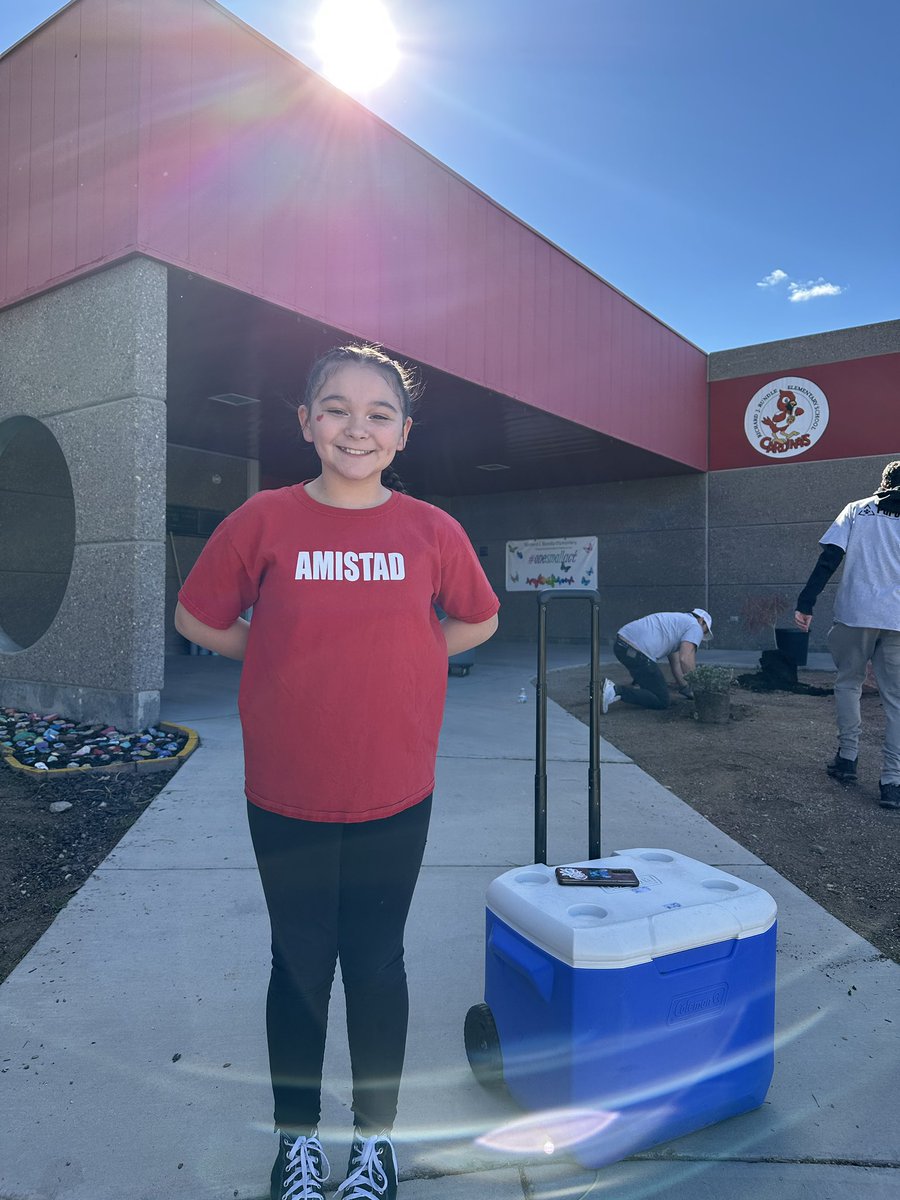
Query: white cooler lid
x=681, y=903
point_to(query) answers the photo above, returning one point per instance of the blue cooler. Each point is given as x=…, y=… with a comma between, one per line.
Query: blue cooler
x=628, y=1016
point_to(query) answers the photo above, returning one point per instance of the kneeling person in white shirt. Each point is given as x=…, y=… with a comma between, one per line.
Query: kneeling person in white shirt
x=638, y=646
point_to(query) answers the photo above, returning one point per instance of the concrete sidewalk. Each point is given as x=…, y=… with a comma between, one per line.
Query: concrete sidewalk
x=132, y=1043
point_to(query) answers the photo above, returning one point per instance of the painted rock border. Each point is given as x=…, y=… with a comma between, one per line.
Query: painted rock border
x=147, y=764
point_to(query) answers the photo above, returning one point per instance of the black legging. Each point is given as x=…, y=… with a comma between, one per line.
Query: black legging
x=651, y=690
x=338, y=891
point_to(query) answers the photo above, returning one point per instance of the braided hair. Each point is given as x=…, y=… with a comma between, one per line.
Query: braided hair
x=392, y=480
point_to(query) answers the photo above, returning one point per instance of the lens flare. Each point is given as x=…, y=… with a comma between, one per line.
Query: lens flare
x=357, y=44
x=546, y=1132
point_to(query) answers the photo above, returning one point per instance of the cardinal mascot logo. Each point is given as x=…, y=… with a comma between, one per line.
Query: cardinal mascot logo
x=786, y=417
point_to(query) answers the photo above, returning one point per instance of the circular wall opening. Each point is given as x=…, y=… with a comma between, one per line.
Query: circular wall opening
x=37, y=531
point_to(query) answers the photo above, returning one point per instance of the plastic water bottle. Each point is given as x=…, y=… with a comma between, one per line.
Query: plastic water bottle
x=523, y=697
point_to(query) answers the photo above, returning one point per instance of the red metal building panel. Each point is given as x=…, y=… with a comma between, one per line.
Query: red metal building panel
x=184, y=135
x=120, y=167
x=210, y=125
x=5, y=176
x=18, y=193
x=254, y=128
x=863, y=413
x=40, y=172
x=91, y=235
x=168, y=60
x=65, y=35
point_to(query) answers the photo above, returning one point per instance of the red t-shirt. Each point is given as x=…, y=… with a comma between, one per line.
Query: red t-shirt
x=344, y=679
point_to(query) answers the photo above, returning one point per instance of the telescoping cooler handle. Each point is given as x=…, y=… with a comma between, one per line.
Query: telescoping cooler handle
x=540, y=755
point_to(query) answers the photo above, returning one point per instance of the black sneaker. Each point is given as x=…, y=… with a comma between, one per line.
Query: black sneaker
x=300, y=1169
x=890, y=795
x=842, y=769
x=371, y=1171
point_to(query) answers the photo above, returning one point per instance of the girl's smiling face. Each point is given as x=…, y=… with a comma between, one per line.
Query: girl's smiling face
x=356, y=424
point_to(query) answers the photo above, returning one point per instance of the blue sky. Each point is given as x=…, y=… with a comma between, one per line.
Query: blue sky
x=731, y=165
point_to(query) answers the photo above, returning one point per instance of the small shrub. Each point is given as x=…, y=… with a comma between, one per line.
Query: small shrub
x=710, y=678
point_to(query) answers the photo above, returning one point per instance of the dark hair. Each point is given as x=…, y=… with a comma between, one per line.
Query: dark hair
x=403, y=379
x=890, y=476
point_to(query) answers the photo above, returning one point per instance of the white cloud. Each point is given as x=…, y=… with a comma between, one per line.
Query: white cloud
x=797, y=292
x=812, y=289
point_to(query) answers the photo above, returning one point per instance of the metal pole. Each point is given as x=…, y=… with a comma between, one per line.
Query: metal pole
x=594, y=724
x=540, y=749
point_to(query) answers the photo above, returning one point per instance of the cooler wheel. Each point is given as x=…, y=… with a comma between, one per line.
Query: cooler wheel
x=483, y=1046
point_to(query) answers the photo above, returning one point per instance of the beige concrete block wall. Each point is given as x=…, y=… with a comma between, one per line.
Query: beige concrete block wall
x=88, y=362
x=651, y=547
x=656, y=551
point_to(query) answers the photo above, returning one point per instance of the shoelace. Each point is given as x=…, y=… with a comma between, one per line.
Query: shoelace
x=306, y=1169
x=368, y=1180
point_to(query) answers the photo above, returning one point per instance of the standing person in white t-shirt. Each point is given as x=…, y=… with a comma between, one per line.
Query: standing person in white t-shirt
x=866, y=538
x=638, y=645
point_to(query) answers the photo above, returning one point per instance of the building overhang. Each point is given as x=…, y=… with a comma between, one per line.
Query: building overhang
x=236, y=372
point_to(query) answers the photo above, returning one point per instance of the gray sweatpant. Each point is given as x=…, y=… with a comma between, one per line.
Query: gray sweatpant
x=851, y=648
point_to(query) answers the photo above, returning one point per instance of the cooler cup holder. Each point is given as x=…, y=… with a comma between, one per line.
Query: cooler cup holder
x=654, y=857
x=532, y=878
x=586, y=914
x=720, y=885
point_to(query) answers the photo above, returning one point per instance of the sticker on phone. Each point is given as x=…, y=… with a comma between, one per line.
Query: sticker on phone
x=597, y=877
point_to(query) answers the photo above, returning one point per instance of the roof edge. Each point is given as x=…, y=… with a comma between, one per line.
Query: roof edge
x=38, y=28
x=450, y=171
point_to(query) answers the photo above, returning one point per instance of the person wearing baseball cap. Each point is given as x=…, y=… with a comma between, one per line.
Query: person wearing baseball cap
x=638, y=646
x=703, y=616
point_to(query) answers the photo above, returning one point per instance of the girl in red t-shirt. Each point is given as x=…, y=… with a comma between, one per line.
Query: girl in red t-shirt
x=346, y=652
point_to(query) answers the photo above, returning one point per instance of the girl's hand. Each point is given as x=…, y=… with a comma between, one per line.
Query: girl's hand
x=804, y=620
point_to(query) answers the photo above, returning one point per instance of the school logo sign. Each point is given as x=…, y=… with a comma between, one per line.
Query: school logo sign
x=786, y=417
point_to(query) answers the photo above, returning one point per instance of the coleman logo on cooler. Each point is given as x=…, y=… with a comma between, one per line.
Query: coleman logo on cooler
x=786, y=417
x=698, y=1004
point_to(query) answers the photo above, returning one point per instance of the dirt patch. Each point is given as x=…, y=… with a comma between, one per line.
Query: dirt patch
x=46, y=856
x=760, y=778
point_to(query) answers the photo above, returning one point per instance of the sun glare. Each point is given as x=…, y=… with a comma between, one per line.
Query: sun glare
x=356, y=43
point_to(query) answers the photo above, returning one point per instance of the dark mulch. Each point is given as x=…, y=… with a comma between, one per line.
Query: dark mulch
x=45, y=857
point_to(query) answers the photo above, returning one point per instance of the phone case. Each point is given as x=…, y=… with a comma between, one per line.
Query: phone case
x=597, y=877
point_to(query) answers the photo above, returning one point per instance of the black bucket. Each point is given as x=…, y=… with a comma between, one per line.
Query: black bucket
x=793, y=644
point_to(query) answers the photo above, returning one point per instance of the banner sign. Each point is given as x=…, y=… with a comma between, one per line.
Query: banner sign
x=562, y=563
